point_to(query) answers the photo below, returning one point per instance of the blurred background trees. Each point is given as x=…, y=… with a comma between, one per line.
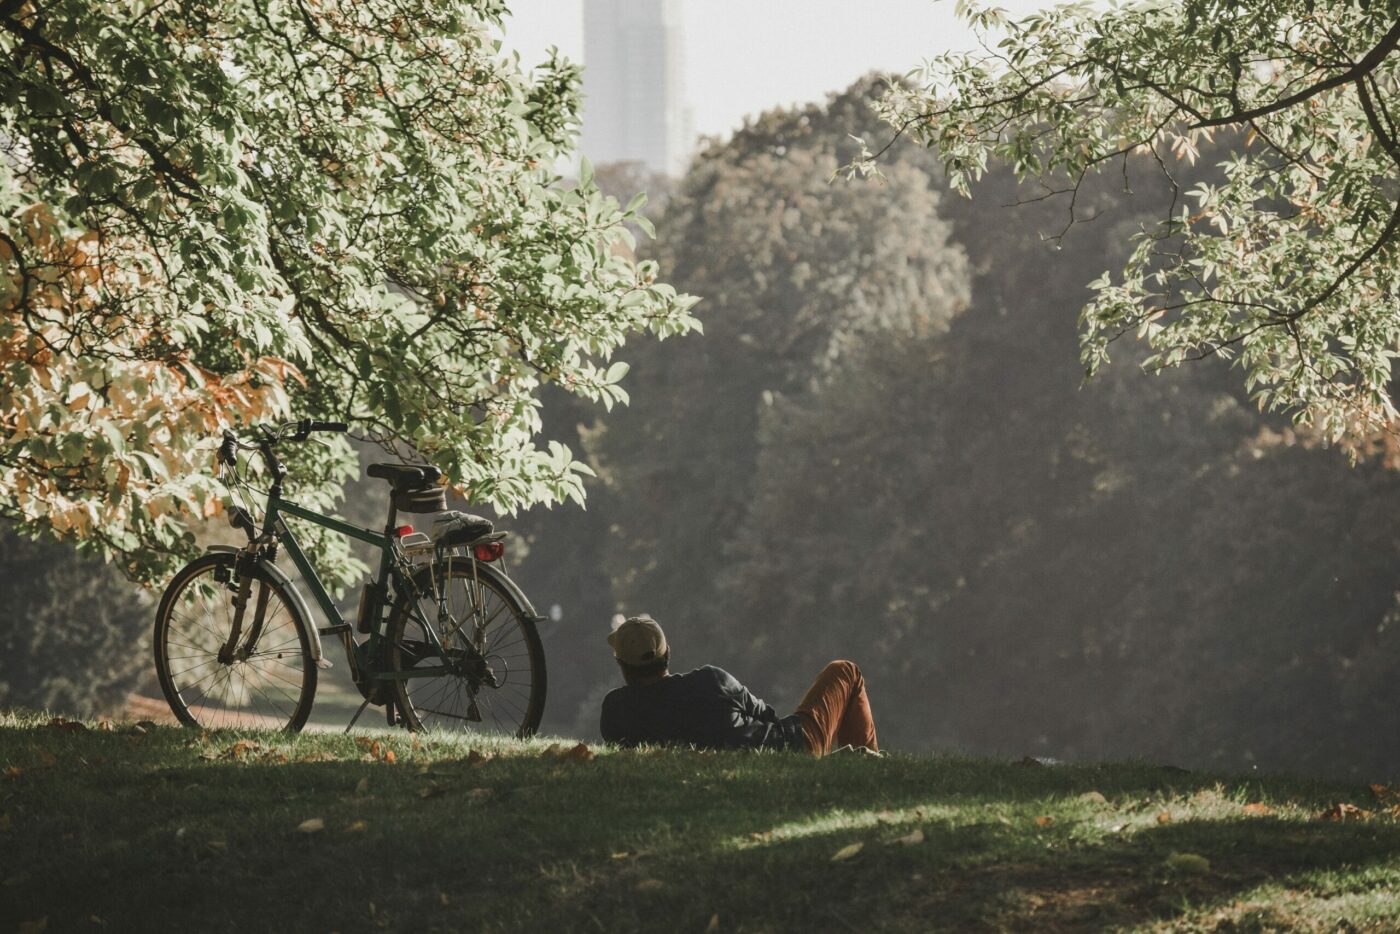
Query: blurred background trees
x=905, y=466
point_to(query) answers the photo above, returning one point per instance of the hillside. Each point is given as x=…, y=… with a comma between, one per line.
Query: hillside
x=109, y=827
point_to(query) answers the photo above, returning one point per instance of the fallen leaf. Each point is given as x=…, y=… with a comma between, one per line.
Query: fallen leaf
x=847, y=851
x=217, y=846
x=1189, y=863
x=147, y=725
x=443, y=900
x=1044, y=821
x=1093, y=797
x=1344, y=812
x=622, y=855
x=313, y=825
x=362, y=786
x=13, y=771
x=106, y=726
x=1257, y=810
x=912, y=837
x=580, y=753
x=357, y=826
x=713, y=926
x=46, y=757
x=1165, y=817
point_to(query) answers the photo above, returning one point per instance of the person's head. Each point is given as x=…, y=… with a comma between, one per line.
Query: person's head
x=641, y=651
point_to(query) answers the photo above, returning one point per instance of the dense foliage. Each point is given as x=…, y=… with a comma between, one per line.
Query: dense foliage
x=1289, y=260
x=218, y=213
x=1021, y=564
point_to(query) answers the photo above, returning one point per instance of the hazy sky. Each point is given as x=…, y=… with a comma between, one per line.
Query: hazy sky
x=744, y=57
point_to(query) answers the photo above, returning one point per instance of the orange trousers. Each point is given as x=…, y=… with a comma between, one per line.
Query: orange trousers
x=836, y=711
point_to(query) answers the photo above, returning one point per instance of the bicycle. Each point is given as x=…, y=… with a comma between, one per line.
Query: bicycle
x=449, y=639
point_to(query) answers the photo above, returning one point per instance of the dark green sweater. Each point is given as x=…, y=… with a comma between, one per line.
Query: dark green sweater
x=706, y=707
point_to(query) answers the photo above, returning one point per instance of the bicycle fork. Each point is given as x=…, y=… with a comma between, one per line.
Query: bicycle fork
x=229, y=652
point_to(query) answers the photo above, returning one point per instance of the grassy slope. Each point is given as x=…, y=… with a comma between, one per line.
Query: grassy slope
x=118, y=831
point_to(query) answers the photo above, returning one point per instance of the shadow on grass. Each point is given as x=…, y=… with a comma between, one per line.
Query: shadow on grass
x=146, y=835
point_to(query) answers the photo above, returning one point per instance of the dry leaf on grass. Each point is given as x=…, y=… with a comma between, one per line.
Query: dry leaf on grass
x=1093, y=797
x=1255, y=809
x=847, y=851
x=313, y=825
x=1044, y=820
x=362, y=786
x=1165, y=817
x=912, y=837
x=713, y=926
x=357, y=826
x=1344, y=812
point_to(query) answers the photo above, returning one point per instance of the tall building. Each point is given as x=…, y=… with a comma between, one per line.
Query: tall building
x=634, y=107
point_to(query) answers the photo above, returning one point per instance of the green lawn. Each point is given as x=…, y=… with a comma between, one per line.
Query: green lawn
x=176, y=831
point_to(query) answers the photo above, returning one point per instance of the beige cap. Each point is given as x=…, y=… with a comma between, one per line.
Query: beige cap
x=638, y=641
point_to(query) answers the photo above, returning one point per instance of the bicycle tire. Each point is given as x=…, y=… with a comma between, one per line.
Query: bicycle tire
x=271, y=687
x=445, y=702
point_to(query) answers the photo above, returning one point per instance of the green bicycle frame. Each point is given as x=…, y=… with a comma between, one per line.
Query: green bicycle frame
x=277, y=507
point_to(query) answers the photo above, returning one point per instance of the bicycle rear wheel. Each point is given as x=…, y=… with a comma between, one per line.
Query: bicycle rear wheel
x=495, y=680
x=264, y=679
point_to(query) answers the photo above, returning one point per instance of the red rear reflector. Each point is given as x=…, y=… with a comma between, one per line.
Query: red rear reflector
x=489, y=551
x=403, y=530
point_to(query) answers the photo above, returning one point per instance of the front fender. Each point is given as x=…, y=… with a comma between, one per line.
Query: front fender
x=299, y=604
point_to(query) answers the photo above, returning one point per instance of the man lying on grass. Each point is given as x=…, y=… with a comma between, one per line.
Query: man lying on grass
x=708, y=708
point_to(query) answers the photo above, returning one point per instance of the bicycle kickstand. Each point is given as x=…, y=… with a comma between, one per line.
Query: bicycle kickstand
x=351, y=725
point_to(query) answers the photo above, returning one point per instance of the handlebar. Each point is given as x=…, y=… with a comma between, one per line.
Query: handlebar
x=265, y=436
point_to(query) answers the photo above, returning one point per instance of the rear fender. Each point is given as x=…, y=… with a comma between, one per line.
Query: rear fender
x=487, y=572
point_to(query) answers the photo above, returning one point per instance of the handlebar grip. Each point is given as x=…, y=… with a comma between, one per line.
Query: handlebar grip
x=327, y=426
x=228, y=450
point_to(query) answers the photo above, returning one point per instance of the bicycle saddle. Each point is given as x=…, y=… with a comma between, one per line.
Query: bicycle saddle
x=406, y=478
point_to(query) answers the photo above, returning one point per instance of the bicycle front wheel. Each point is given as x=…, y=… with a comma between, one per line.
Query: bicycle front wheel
x=265, y=678
x=489, y=676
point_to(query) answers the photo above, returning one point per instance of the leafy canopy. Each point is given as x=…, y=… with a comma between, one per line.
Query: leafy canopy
x=1286, y=259
x=217, y=212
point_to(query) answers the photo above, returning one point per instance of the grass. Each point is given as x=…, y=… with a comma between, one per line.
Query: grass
x=171, y=830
